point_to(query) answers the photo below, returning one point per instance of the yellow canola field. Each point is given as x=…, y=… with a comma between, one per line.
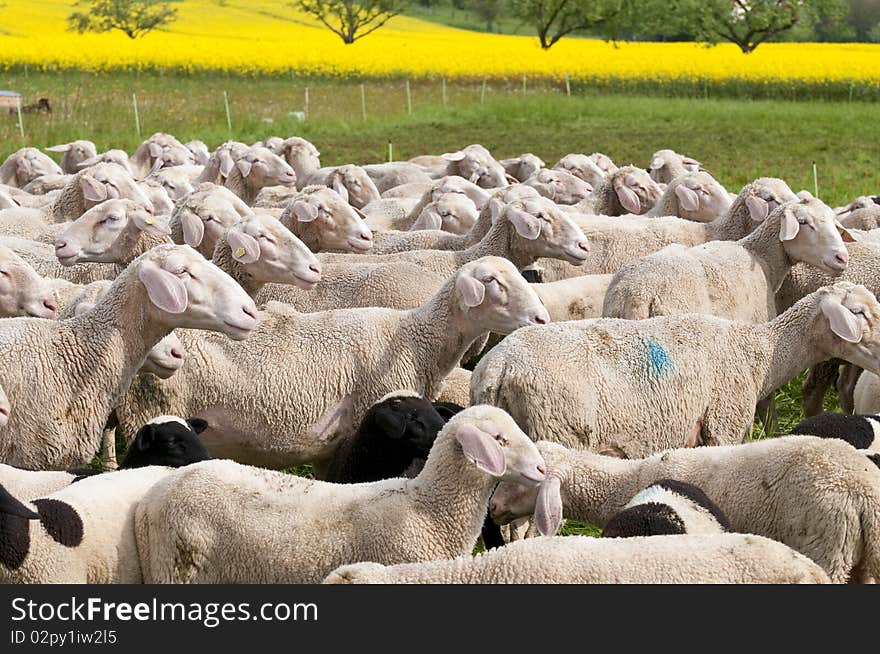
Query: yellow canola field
x=265, y=37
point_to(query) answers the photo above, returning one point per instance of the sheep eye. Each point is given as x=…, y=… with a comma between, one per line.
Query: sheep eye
x=4, y=273
x=500, y=438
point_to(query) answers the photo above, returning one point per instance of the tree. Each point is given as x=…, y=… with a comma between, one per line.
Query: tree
x=488, y=10
x=747, y=23
x=133, y=17
x=351, y=20
x=554, y=19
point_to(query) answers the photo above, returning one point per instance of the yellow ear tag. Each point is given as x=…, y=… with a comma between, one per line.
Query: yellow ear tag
x=239, y=252
x=149, y=221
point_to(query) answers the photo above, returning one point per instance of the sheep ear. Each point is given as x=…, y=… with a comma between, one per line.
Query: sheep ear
x=431, y=219
x=165, y=290
x=843, y=322
x=305, y=212
x=526, y=224
x=844, y=233
x=657, y=163
x=481, y=448
x=91, y=161
x=340, y=188
x=688, y=198
x=496, y=208
x=454, y=156
x=244, y=167
x=472, y=290
x=360, y=213
x=155, y=150
x=93, y=190
x=197, y=424
x=245, y=248
x=150, y=224
x=548, y=507
x=65, y=147
x=83, y=307
x=628, y=198
x=226, y=163
x=193, y=228
x=789, y=226
x=758, y=208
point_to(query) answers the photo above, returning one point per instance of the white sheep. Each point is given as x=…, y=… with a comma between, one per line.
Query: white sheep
x=560, y=186
x=351, y=183
x=275, y=528
x=703, y=559
x=326, y=222
x=222, y=161
x=23, y=292
x=395, y=173
x=257, y=168
x=821, y=497
x=666, y=165
x=583, y=167
x=638, y=386
x=26, y=165
x=200, y=218
x=523, y=166
x=451, y=212
x=628, y=190
x=170, y=286
x=74, y=153
x=476, y=164
x=693, y=196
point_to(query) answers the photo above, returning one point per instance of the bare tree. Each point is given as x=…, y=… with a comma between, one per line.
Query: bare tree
x=554, y=19
x=351, y=20
x=133, y=17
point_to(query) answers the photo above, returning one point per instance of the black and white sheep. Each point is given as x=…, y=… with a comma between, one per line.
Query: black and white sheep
x=860, y=431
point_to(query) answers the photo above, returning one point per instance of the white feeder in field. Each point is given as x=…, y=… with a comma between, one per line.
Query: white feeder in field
x=10, y=100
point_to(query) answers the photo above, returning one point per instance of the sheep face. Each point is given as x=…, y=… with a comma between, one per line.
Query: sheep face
x=354, y=186
x=186, y=290
x=75, y=153
x=494, y=296
x=560, y=186
x=635, y=190
x=158, y=196
x=22, y=290
x=547, y=231
x=270, y=253
x=582, y=167
x=29, y=163
x=261, y=168
x=107, y=181
x=809, y=232
x=452, y=212
x=337, y=224
x=849, y=315
x=165, y=358
x=175, y=184
x=105, y=232
x=167, y=441
x=701, y=198
x=476, y=164
x=606, y=165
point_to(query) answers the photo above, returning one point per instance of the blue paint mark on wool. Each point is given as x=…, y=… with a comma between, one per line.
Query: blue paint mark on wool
x=659, y=362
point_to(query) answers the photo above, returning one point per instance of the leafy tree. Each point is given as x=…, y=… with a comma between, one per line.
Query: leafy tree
x=554, y=19
x=488, y=10
x=351, y=20
x=133, y=17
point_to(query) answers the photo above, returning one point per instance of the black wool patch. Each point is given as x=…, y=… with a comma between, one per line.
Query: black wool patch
x=697, y=496
x=15, y=540
x=61, y=521
x=650, y=519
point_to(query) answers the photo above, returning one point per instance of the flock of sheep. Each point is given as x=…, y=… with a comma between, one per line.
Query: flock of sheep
x=239, y=311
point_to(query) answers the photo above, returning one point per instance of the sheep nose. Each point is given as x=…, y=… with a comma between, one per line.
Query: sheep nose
x=542, y=470
x=540, y=319
x=249, y=311
x=50, y=305
x=176, y=353
x=842, y=258
x=584, y=245
x=315, y=268
x=60, y=245
x=366, y=236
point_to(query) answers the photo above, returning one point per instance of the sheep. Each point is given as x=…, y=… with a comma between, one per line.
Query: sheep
x=74, y=153
x=91, y=186
x=577, y=298
x=351, y=183
x=860, y=431
x=26, y=165
x=22, y=291
x=666, y=165
x=264, y=413
x=200, y=218
x=401, y=213
x=869, y=202
x=157, y=148
x=86, y=363
x=177, y=181
x=391, y=242
x=866, y=398
x=275, y=197
x=615, y=242
x=451, y=212
x=163, y=205
x=199, y=150
x=222, y=161
x=583, y=167
x=447, y=184
x=297, y=536
x=477, y=165
x=693, y=196
x=703, y=559
x=667, y=506
x=736, y=280
x=393, y=440
x=164, y=441
x=302, y=156
x=43, y=186
x=456, y=387
x=326, y=222
x=523, y=230
x=118, y=157
x=257, y=168
x=818, y=496
x=395, y=173
x=637, y=386
x=560, y=186
x=80, y=534
x=41, y=257
x=628, y=190
x=523, y=166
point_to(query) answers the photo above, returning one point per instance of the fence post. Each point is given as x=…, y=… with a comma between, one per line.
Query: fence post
x=20, y=124
x=524, y=85
x=443, y=89
x=390, y=153
x=483, y=91
x=306, y=105
x=137, y=116
x=408, y=99
x=228, y=115
x=815, y=180
x=705, y=89
x=567, y=84
x=26, y=73
x=363, y=102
